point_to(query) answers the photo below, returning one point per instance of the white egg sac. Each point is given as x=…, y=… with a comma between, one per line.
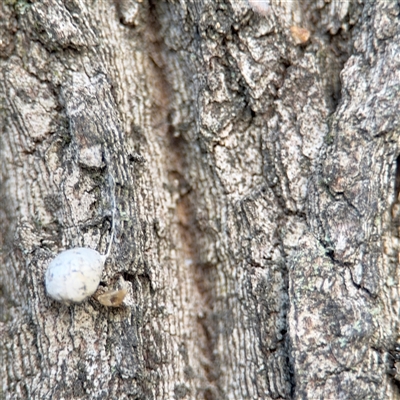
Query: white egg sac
x=74, y=275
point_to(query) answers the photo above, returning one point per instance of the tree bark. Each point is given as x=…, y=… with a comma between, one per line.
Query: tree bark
x=254, y=151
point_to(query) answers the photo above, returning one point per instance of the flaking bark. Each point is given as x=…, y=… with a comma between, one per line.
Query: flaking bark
x=255, y=184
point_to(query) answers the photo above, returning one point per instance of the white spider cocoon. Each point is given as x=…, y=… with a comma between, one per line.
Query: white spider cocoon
x=74, y=275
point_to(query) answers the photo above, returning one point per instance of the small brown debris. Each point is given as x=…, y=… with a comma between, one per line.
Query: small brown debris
x=300, y=35
x=113, y=297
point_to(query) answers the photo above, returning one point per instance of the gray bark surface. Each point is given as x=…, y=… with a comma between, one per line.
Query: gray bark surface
x=256, y=183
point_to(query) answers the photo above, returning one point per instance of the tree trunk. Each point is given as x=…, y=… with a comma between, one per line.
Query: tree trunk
x=254, y=152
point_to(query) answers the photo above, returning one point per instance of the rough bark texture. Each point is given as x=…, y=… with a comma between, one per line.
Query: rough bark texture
x=256, y=182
